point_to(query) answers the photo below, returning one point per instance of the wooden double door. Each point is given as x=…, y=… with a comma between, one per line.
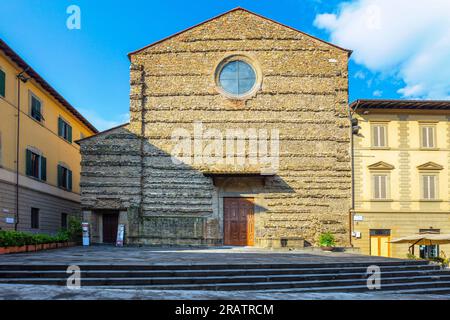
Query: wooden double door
x=239, y=221
x=110, y=225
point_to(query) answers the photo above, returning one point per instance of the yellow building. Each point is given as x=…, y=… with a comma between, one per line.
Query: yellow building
x=401, y=174
x=39, y=161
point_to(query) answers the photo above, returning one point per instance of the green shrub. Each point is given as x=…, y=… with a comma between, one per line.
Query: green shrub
x=442, y=259
x=327, y=240
x=18, y=239
x=74, y=229
x=410, y=256
x=62, y=236
x=12, y=238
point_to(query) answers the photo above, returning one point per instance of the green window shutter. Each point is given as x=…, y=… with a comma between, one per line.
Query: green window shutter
x=28, y=163
x=35, y=109
x=59, y=176
x=2, y=83
x=69, y=180
x=33, y=105
x=43, y=168
x=69, y=129
x=60, y=127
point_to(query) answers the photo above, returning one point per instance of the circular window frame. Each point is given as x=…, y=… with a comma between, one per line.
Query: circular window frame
x=252, y=63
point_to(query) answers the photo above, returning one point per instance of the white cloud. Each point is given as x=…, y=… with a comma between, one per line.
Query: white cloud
x=360, y=75
x=102, y=123
x=403, y=38
x=377, y=93
x=327, y=20
x=412, y=91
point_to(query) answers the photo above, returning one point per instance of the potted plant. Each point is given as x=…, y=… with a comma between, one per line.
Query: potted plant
x=74, y=231
x=16, y=242
x=327, y=241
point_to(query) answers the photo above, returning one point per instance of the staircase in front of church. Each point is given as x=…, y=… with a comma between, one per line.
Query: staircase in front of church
x=396, y=276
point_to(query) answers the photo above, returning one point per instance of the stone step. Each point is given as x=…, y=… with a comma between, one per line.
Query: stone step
x=393, y=263
x=310, y=277
x=429, y=291
x=414, y=270
x=313, y=286
x=432, y=287
x=207, y=277
x=231, y=283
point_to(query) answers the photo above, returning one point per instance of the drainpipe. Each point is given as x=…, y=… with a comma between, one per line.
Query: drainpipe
x=20, y=78
x=352, y=152
x=350, y=214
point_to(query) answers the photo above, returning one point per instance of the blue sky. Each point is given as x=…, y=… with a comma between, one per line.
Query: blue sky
x=409, y=58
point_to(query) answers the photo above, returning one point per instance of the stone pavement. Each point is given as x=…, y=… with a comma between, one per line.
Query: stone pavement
x=24, y=292
x=109, y=255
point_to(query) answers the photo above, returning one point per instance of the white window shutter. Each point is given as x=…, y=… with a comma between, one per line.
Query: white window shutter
x=383, y=187
x=430, y=137
x=375, y=136
x=382, y=138
x=424, y=137
x=376, y=187
x=432, y=187
x=429, y=187
x=380, y=186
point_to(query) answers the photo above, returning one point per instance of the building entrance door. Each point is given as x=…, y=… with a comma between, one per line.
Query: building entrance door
x=379, y=242
x=239, y=222
x=110, y=225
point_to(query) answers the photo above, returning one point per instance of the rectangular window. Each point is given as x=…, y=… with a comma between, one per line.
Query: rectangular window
x=2, y=83
x=429, y=252
x=36, y=165
x=380, y=232
x=379, y=133
x=429, y=231
x=64, y=221
x=428, y=134
x=34, y=218
x=429, y=187
x=64, y=130
x=380, y=187
x=64, y=178
x=36, y=108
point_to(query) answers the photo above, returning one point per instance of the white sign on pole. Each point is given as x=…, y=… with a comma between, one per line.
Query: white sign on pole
x=85, y=227
x=120, y=235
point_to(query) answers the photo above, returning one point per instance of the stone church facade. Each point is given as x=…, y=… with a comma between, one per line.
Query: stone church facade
x=236, y=71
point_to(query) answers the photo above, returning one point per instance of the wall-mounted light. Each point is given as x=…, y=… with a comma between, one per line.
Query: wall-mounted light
x=355, y=126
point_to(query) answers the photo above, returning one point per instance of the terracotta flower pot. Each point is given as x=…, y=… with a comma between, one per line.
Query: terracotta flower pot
x=328, y=249
x=13, y=249
x=17, y=249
